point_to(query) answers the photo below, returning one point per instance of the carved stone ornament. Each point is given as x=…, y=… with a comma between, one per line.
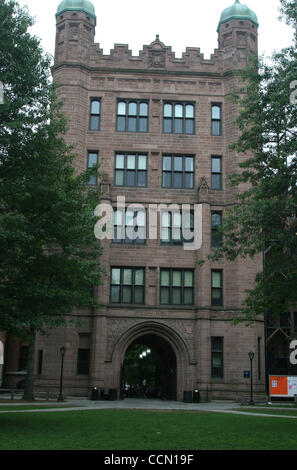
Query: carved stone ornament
x=203, y=189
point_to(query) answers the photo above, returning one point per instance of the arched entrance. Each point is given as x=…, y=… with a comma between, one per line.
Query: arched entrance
x=149, y=369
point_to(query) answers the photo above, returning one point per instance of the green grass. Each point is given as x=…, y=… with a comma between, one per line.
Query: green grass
x=144, y=430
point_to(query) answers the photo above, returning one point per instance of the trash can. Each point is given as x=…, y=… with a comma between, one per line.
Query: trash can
x=187, y=397
x=196, y=396
x=113, y=394
x=95, y=393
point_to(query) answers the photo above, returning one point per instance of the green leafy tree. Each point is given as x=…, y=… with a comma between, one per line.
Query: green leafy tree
x=49, y=257
x=264, y=218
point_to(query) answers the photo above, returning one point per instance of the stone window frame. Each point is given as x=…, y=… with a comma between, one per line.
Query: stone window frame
x=170, y=287
x=183, y=119
x=217, y=301
x=131, y=285
x=173, y=171
x=217, y=348
x=125, y=169
x=95, y=115
x=127, y=116
x=215, y=120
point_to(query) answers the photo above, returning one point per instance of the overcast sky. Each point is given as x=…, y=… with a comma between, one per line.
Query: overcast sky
x=190, y=23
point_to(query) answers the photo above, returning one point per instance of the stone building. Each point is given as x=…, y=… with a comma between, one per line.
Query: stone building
x=161, y=128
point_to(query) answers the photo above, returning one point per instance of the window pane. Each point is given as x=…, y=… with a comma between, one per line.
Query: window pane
x=142, y=162
x=120, y=161
x=216, y=165
x=130, y=178
x=118, y=218
x=167, y=163
x=92, y=159
x=216, y=128
x=127, y=295
x=176, y=278
x=138, y=294
x=188, y=279
x=131, y=162
x=143, y=125
x=189, y=126
x=189, y=164
x=139, y=277
x=165, y=219
x=129, y=218
x=216, y=112
x=164, y=278
x=216, y=220
x=143, y=109
x=164, y=295
x=178, y=163
x=127, y=279
x=119, y=178
x=178, y=111
x=115, y=294
x=121, y=109
x=216, y=294
x=121, y=123
x=217, y=360
x=168, y=110
x=132, y=109
x=95, y=107
x=140, y=218
x=115, y=276
x=189, y=111
x=177, y=180
x=93, y=180
x=177, y=220
x=129, y=238
x=216, y=182
x=188, y=296
x=176, y=296
x=94, y=123
x=167, y=126
x=132, y=124
x=189, y=180
x=216, y=279
x=141, y=178
x=165, y=235
x=166, y=183
x=178, y=126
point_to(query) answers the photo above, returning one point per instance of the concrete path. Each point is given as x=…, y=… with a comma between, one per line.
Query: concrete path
x=75, y=404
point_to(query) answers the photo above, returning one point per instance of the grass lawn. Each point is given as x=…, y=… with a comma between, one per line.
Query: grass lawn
x=144, y=430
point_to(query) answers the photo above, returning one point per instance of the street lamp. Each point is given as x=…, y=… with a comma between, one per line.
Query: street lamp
x=62, y=352
x=251, y=356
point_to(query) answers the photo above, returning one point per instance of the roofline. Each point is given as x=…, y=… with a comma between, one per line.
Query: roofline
x=237, y=17
x=77, y=9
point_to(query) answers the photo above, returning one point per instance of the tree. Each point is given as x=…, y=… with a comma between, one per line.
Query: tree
x=264, y=217
x=49, y=257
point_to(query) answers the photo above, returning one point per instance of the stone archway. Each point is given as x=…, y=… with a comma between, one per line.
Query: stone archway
x=165, y=341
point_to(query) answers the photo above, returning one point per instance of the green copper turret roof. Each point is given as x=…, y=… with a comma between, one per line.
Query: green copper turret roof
x=77, y=5
x=238, y=11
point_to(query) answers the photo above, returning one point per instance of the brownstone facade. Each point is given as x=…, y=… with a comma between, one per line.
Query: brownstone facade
x=189, y=331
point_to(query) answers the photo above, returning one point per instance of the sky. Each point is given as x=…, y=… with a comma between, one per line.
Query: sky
x=190, y=23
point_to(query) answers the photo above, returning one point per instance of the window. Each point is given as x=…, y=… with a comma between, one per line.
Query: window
x=216, y=288
x=177, y=227
x=91, y=163
x=95, y=109
x=177, y=287
x=23, y=357
x=129, y=227
x=216, y=119
x=127, y=286
x=217, y=357
x=83, y=361
x=216, y=173
x=131, y=170
x=39, y=361
x=178, y=118
x=216, y=225
x=178, y=171
x=132, y=116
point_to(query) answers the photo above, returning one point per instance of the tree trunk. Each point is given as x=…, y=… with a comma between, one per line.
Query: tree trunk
x=29, y=392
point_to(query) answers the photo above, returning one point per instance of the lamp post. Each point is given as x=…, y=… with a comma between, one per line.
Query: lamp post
x=251, y=356
x=62, y=352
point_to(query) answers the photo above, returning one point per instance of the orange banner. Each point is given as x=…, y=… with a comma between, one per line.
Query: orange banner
x=278, y=385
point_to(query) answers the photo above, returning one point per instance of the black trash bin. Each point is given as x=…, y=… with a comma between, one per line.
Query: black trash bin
x=196, y=396
x=95, y=393
x=187, y=397
x=113, y=394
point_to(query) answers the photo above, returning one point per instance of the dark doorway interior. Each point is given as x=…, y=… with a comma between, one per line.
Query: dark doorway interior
x=149, y=369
